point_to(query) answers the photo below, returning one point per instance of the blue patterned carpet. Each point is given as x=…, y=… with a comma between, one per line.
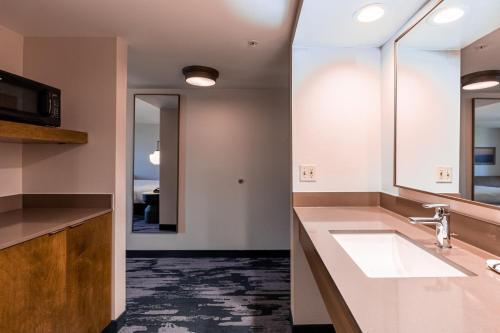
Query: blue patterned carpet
x=217, y=294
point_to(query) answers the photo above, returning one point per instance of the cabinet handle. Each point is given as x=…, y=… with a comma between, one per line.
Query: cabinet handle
x=76, y=225
x=52, y=233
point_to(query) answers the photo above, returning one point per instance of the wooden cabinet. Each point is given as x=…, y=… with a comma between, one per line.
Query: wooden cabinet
x=59, y=282
x=89, y=275
x=33, y=286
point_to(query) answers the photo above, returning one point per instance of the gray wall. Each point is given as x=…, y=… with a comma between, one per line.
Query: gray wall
x=226, y=135
x=146, y=136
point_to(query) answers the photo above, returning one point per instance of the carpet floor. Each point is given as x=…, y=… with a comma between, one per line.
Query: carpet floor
x=216, y=294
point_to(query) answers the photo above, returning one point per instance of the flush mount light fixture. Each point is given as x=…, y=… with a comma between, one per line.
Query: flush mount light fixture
x=481, y=80
x=448, y=15
x=370, y=13
x=200, y=76
x=154, y=157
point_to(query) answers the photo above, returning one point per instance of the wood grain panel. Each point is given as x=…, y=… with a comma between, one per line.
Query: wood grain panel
x=32, y=280
x=17, y=132
x=335, y=199
x=89, y=275
x=339, y=312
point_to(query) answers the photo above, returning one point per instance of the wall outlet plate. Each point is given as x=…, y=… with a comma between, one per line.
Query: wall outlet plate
x=444, y=174
x=307, y=173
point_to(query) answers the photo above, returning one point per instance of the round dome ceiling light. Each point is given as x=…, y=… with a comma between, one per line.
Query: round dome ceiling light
x=448, y=15
x=200, y=76
x=370, y=13
x=481, y=80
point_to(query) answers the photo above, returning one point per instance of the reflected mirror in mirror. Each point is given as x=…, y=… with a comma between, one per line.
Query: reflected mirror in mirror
x=156, y=163
x=446, y=65
x=486, y=178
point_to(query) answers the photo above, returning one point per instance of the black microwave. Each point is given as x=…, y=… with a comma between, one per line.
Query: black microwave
x=27, y=101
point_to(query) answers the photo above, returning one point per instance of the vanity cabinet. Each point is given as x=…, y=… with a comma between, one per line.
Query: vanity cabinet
x=60, y=282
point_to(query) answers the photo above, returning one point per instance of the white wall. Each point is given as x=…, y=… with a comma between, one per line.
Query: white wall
x=336, y=126
x=146, y=138
x=336, y=118
x=428, y=118
x=227, y=135
x=11, y=60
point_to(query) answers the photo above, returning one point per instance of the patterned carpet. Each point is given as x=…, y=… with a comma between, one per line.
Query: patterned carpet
x=216, y=294
x=139, y=225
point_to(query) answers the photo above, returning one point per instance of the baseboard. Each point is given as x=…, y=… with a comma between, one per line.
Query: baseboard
x=313, y=329
x=168, y=227
x=115, y=325
x=208, y=253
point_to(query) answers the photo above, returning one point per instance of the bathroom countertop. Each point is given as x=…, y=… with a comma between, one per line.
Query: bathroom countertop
x=458, y=304
x=21, y=225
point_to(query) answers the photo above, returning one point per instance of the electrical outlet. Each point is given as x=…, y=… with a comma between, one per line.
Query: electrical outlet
x=444, y=174
x=307, y=173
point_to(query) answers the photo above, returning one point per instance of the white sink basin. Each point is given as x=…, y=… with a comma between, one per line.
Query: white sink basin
x=389, y=254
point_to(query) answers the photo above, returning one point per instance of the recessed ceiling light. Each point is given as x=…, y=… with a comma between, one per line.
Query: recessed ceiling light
x=448, y=15
x=370, y=13
x=200, y=76
x=481, y=80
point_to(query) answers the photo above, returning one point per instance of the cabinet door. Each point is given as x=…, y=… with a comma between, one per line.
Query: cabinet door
x=89, y=275
x=32, y=285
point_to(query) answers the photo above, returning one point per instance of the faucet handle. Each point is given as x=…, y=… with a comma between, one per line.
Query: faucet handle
x=436, y=206
x=441, y=209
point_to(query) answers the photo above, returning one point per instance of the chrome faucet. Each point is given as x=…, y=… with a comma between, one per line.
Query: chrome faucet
x=440, y=220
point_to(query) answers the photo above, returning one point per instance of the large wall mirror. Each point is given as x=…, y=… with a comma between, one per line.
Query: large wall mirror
x=448, y=102
x=156, y=163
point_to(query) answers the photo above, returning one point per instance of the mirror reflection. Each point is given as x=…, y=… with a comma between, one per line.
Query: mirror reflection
x=486, y=181
x=156, y=163
x=447, y=86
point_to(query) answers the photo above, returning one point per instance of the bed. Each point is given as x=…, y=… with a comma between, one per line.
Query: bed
x=141, y=186
x=487, y=189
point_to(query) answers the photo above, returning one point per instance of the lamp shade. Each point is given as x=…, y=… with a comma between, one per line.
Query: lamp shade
x=200, y=76
x=481, y=80
x=154, y=157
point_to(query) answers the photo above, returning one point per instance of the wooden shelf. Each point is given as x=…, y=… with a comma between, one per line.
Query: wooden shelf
x=17, y=132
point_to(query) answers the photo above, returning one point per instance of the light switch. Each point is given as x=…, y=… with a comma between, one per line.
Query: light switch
x=307, y=173
x=444, y=174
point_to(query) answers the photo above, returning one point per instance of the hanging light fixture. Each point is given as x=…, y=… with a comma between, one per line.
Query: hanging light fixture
x=154, y=157
x=481, y=80
x=200, y=76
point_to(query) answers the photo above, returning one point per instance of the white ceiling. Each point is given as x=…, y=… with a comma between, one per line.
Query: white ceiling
x=482, y=55
x=332, y=23
x=166, y=35
x=146, y=113
x=481, y=18
x=147, y=107
x=488, y=114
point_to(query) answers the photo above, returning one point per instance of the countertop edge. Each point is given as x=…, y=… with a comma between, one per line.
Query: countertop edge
x=56, y=228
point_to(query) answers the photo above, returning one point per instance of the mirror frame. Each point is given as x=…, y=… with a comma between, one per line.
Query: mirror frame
x=394, y=180
x=178, y=161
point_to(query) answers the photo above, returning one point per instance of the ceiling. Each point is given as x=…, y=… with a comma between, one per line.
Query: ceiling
x=332, y=23
x=147, y=107
x=488, y=114
x=481, y=18
x=166, y=35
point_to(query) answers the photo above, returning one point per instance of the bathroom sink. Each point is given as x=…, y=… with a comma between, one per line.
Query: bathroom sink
x=389, y=254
